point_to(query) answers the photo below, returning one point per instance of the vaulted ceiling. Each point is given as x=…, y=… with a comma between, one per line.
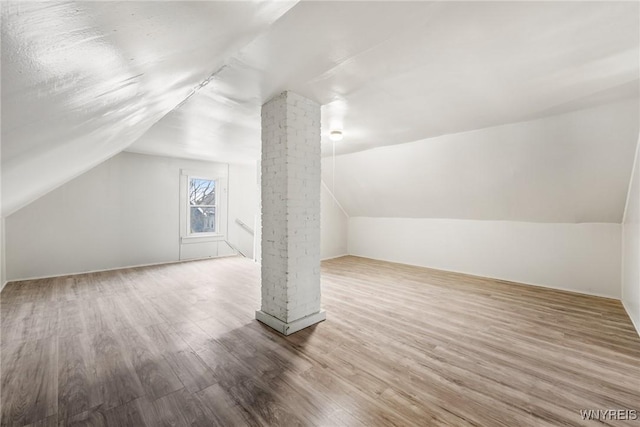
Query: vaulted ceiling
x=82, y=81
x=567, y=168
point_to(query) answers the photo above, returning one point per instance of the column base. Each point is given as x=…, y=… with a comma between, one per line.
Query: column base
x=290, y=328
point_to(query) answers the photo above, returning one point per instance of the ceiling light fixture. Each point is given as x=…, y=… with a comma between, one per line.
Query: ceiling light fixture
x=336, y=135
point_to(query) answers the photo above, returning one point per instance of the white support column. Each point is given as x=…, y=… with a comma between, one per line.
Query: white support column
x=290, y=182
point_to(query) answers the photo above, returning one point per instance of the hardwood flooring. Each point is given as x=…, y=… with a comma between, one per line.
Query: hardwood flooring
x=177, y=345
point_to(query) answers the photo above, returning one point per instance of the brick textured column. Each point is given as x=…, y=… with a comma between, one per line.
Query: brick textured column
x=290, y=213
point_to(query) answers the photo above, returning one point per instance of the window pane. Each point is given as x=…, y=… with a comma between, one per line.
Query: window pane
x=203, y=220
x=202, y=192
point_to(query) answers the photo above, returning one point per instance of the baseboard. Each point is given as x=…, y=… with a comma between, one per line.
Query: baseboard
x=555, y=288
x=292, y=327
x=633, y=321
x=153, y=264
x=333, y=257
x=3, y=285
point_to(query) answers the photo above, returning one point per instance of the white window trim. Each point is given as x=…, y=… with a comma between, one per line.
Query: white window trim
x=186, y=236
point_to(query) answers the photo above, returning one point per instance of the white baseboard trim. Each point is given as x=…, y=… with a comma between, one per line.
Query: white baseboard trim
x=3, y=285
x=290, y=328
x=333, y=257
x=153, y=264
x=633, y=321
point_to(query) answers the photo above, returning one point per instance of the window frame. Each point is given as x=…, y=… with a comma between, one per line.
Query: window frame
x=188, y=231
x=218, y=174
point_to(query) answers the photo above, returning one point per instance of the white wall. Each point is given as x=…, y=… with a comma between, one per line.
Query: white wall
x=334, y=226
x=123, y=212
x=243, y=205
x=631, y=247
x=577, y=257
x=82, y=226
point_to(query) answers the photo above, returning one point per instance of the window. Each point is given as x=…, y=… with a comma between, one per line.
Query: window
x=203, y=209
x=202, y=206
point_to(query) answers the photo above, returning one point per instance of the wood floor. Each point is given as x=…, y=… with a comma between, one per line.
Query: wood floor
x=177, y=345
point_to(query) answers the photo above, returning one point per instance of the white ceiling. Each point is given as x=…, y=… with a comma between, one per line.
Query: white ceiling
x=82, y=81
x=391, y=72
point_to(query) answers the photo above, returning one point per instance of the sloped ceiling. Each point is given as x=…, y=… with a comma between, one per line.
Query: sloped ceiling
x=569, y=168
x=82, y=81
x=390, y=72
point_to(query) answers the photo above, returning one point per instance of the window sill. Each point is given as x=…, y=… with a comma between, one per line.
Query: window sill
x=202, y=239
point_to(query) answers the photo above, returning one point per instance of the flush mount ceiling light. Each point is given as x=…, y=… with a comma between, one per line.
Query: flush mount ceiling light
x=336, y=135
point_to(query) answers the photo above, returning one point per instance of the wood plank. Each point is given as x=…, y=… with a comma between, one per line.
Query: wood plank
x=179, y=408
x=116, y=378
x=128, y=414
x=77, y=381
x=225, y=411
x=51, y=421
x=154, y=373
x=29, y=381
x=194, y=374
